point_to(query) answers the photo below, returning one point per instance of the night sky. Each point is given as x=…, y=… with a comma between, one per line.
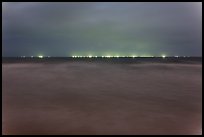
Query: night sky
x=67, y=29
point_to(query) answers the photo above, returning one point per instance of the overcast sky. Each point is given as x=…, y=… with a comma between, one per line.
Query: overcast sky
x=66, y=29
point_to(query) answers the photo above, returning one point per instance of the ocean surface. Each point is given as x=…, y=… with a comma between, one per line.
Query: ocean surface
x=100, y=96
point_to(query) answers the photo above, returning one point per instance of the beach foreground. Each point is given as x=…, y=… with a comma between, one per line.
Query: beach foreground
x=101, y=98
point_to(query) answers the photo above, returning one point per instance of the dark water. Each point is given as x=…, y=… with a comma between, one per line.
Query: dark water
x=63, y=96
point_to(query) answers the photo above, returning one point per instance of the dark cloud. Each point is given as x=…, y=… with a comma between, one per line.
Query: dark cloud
x=64, y=29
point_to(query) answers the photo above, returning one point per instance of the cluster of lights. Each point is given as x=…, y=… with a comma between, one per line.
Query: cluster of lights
x=108, y=56
x=79, y=56
x=95, y=56
x=40, y=56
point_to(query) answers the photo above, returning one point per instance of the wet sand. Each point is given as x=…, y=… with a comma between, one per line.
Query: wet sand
x=101, y=98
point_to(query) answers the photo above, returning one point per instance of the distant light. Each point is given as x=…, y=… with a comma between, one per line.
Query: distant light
x=31, y=56
x=117, y=56
x=90, y=56
x=48, y=56
x=133, y=56
x=163, y=56
x=176, y=56
x=95, y=56
x=22, y=56
x=40, y=56
x=107, y=56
